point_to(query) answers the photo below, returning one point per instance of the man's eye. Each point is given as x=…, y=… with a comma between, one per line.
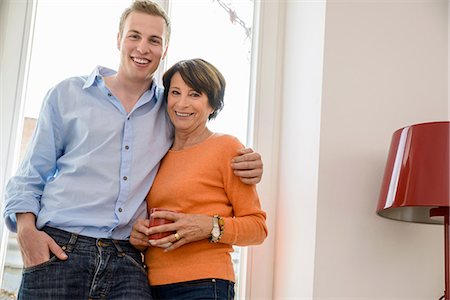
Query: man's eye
x=133, y=36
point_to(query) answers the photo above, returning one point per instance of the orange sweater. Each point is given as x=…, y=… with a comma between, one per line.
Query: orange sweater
x=200, y=180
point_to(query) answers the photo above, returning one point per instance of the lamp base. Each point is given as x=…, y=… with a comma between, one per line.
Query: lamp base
x=444, y=212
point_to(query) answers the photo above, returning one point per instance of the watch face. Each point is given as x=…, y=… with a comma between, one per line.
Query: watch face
x=215, y=232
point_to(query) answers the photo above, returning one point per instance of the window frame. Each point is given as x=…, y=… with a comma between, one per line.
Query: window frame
x=16, y=32
x=264, y=135
x=17, y=20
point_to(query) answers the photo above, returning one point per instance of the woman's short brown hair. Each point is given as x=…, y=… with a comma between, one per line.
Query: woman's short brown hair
x=202, y=77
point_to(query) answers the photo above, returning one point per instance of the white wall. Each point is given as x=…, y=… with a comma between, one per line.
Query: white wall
x=385, y=66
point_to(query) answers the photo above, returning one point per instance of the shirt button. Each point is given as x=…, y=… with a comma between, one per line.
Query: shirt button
x=125, y=178
x=127, y=147
x=109, y=94
x=120, y=209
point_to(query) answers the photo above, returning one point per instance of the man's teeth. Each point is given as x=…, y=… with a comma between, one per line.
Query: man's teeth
x=140, y=60
x=182, y=114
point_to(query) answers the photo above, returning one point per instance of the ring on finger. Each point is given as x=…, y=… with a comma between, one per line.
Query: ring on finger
x=177, y=236
x=166, y=245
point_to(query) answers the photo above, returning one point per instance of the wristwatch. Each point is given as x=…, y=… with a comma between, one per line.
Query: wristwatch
x=217, y=230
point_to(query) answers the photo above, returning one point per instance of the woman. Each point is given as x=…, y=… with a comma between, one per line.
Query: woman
x=214, y=209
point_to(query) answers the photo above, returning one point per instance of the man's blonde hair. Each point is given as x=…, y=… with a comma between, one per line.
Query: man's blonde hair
x=147, y=7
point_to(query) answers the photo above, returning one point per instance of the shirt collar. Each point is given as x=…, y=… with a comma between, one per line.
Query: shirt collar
x=96, y=74
x=99, y=72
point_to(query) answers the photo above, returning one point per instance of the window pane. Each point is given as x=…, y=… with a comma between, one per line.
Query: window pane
x=220, y=33
x=70, y=39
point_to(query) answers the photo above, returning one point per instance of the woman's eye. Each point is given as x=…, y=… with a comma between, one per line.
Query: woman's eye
x=175, y=92
x=195, y=95
x=155, y=41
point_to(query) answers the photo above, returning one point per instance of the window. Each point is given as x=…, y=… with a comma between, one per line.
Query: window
x=217, y=31
x=226, y=44
x=220, y=33
x=56, y=52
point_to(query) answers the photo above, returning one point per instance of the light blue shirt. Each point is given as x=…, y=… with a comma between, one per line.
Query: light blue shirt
x=90, y=164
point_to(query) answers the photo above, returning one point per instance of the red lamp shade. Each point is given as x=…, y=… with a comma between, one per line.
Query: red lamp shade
x=416, y=184
x=416, y=177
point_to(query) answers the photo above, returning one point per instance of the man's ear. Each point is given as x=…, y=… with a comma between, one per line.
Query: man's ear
x=118, y=41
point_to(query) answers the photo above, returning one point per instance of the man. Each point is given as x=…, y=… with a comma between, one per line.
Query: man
x=92, y=160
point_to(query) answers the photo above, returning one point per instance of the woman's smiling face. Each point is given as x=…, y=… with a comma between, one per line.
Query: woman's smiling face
x=188, y=109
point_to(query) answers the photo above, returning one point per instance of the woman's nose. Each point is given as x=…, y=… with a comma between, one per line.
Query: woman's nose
x=182, y=101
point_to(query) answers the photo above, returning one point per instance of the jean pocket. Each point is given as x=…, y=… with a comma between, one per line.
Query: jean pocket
x=40, y=266
x=135, y=262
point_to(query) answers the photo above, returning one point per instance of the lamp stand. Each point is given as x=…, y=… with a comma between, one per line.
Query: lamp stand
x=444, y=212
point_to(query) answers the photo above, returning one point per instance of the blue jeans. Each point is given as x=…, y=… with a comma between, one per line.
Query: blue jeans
x=211, y=289
x=95, y=269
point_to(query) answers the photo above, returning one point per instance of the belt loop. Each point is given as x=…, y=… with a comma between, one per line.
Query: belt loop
x=118, y=247
x=72, y=242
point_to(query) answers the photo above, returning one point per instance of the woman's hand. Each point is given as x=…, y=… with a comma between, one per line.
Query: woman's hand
x=248, y=166
x=187, y=227
x=138, y=236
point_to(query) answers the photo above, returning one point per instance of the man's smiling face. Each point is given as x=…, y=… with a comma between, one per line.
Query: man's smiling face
x=142, y=45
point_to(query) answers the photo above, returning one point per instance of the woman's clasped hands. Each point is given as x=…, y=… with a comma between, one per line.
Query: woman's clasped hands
x=185, y=228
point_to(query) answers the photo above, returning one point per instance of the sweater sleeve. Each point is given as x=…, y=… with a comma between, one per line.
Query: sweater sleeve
x=247, y=226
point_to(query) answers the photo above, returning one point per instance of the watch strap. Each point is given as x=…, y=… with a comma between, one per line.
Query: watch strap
x=218, y=225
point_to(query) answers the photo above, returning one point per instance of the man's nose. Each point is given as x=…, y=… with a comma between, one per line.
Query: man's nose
x=143, y=47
